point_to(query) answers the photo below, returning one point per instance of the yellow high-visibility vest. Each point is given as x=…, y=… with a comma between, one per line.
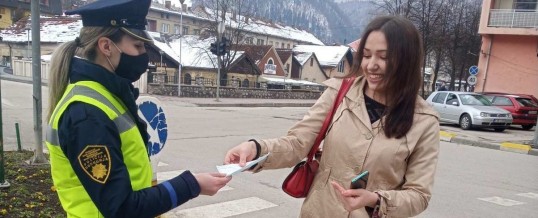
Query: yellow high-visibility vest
x=73, y=197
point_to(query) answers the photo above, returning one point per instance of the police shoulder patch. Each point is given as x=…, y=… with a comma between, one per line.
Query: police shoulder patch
x=95, y=161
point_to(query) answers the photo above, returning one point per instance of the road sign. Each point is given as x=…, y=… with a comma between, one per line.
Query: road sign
x=473, y=70
x=151, y=111
x=471, y=80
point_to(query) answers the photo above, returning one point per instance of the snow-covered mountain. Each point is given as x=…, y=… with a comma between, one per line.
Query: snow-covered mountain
x=324, y=18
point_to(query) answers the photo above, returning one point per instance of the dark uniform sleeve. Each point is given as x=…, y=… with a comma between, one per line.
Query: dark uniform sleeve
x=84, y=125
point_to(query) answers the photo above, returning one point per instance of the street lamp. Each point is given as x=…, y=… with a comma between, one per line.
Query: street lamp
x=220, y=31
x=28, y=41
x=180, y=39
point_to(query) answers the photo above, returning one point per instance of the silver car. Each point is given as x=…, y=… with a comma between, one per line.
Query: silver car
x=469, y=110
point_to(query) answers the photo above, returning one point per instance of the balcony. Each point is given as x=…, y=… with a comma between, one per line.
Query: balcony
x=513, y=18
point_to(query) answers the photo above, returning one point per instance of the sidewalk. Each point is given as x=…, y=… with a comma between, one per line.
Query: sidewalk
x=513, y=140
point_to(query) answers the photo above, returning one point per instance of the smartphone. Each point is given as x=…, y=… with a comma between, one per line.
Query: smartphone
x=359, y=181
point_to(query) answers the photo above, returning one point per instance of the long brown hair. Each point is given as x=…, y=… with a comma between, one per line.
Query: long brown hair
x=86, y=47
x=402, y=78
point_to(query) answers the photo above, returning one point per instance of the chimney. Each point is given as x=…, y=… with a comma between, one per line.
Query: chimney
x=168, y=4
x=234, y=15
x=184, y=7
x=246, y=19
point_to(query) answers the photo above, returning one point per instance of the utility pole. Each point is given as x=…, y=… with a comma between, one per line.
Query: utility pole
x=535, y=140
x=3, y=182
x=38, y=157
x=180, y=46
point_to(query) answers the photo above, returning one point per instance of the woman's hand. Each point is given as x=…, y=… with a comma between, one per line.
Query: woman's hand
x=241, y=153
x=211, y=183
x=353, y=199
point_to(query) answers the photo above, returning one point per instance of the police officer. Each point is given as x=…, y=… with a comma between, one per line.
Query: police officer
x=97, y=142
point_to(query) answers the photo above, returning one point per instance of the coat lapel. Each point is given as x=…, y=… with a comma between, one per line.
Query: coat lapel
x=357, y=105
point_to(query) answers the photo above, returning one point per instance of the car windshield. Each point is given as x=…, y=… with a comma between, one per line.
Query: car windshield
x=473, y=99
x=526, y=102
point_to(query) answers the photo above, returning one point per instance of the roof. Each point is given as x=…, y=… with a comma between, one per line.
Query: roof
x=275, y=80
x=264, y=28
x=194, y=51
x=302, y=57
x=256, y=52
x=53, y=29
x=327, y=55
x=284, y=54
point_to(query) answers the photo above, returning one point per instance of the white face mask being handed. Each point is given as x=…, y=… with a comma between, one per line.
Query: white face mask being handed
x=131, y=67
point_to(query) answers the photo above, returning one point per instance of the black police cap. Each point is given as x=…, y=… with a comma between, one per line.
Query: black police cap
x=128, y=15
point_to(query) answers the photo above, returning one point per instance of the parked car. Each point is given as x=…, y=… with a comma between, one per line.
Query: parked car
x=524, y=108
x=469, y=110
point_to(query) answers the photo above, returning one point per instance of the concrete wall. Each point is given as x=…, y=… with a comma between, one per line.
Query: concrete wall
x=513, y=64
x=229, y=92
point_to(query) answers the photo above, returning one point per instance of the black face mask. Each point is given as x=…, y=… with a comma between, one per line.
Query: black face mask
x=132, y=67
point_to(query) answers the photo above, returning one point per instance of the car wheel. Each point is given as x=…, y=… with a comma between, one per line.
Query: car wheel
x=499, y=129
x=466, y=122
x=527, y=127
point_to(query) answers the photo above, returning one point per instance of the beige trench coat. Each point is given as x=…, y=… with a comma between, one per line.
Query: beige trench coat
x=401, y=170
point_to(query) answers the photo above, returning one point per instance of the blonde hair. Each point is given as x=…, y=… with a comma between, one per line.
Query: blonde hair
x=85, y=47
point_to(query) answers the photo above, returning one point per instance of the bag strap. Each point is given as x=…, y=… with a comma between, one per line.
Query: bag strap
x=346, y=84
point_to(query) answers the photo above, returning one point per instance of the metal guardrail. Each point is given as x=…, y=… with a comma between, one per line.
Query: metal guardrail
x=513, y=18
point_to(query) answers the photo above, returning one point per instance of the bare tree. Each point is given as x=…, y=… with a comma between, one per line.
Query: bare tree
x=396, y=7
x=234, y=13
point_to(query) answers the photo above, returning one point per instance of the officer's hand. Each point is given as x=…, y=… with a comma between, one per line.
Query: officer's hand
x=241, y=153
x=210, y=183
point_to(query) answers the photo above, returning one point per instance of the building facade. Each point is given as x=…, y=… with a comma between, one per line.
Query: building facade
x=509, y=54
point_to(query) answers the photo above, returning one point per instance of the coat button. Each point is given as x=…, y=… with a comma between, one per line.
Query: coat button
x=368, y=136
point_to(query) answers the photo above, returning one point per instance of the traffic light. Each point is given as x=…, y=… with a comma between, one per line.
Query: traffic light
x=214, y=48
x=224, y=46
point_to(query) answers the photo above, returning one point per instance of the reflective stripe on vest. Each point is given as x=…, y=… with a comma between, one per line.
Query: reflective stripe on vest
x=73, y=197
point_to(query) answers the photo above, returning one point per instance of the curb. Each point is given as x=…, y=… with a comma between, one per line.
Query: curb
x=255, y=105
x=505, y=146
x=9, y=77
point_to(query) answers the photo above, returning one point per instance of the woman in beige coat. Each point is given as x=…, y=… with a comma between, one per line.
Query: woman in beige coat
x=382, y=126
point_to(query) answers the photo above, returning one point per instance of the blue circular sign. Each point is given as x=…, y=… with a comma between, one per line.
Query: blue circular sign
x=473, y=70
x=150, y=110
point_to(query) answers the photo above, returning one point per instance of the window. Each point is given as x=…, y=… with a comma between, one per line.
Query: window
x=276, y=44
x=176, y=29
x=311, y=61
x=196, y=32
x=288, y=45
x=162, y=15
x=185, y=30
x=526, y=102
x=259, y=42
x=2, y=10
x=165, y=28
x=249, y=41
x=282, y=45
x=451, y=99
x=167, y=16
x=270, y=61
x=270, y=42
x=288, y=68
x=152, y=25
x=341, y=67
x=473, y=99
x=525, y=4
x=439, y=98
x=502, y=101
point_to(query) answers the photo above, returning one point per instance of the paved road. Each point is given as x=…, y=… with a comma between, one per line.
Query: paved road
x=470, y=182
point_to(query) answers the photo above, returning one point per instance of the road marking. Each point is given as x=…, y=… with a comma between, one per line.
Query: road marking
x=226, y=209
x=502, y=201
x=529, y=195
x=164, y=176
x=6, y=102
x=446, y=136
x=162, y=164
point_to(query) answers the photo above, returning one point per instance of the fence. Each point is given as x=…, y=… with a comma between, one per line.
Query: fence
x=513, y=18
x=24, y=68
x=161, y=78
